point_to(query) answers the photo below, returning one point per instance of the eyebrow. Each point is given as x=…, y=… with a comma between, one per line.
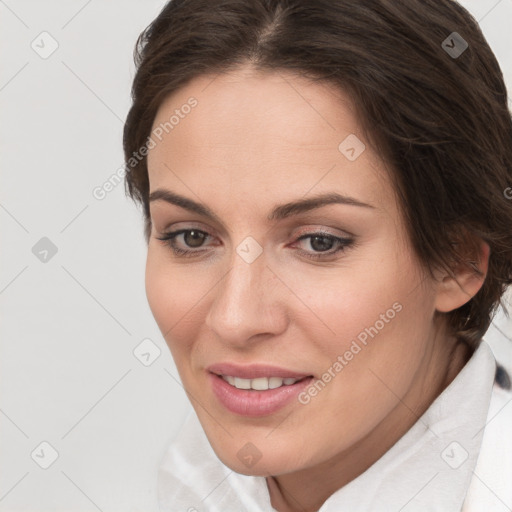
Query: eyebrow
x=278, y=212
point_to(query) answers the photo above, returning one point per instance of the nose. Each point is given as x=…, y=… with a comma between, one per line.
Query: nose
x=248, y=304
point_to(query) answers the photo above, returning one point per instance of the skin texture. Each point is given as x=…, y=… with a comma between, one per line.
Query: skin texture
x=253, y=141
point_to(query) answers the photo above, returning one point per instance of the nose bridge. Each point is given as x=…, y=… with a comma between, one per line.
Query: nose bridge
x=243, y=300
x=237, y=293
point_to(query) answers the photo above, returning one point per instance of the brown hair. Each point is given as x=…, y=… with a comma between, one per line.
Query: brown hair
x=439, y=119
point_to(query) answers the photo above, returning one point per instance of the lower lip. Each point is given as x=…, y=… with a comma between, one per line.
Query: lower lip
x=249, y=402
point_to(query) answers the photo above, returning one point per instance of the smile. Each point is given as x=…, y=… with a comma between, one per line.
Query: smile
x=259, y=384
x=260, y=396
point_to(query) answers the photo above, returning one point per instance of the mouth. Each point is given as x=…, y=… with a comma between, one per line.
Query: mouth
x=261, y=383
x=256, y=390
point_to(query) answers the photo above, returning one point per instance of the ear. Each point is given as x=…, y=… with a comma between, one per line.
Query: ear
x=454, y=290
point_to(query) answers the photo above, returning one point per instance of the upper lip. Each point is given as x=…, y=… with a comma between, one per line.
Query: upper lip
x=253, y=371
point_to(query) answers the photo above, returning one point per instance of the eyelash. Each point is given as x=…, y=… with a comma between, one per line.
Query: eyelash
x=343, y=243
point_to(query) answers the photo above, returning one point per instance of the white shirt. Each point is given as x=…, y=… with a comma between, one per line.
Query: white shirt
x=431, y=468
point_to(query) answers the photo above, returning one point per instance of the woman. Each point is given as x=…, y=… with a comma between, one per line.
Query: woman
x=323, y=185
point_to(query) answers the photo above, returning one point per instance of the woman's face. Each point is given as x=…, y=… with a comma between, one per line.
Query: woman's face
x=349, y=309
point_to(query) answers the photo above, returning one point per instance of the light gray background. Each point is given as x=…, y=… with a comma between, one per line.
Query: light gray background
x=68, y=373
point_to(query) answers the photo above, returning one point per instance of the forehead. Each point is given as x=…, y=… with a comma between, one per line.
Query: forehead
x=266, y=134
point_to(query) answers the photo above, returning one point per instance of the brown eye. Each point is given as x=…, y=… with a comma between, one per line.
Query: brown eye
x=194, y=238
x=321, y=245
x=189, y=239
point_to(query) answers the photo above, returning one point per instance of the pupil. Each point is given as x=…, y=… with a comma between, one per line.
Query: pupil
x=324, y=245
x=194, y=238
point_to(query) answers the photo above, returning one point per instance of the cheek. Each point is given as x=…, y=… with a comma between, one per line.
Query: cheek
x=366, y=325
x=381, y=339
x=340, y=304
x=173, y=299
x=368, y=367
x=160, y=292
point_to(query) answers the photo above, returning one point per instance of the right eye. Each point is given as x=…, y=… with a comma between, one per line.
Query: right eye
x=191, y=238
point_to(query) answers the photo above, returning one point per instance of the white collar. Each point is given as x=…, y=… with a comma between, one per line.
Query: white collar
x=428, y=469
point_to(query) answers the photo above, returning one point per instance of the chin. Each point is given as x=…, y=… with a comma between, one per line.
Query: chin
x=260, y=460
x=263, y=467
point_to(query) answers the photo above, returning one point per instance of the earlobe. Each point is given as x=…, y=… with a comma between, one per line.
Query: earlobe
x=455, y=290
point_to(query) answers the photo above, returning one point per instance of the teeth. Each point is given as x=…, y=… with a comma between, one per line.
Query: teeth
x=242, y=383
x=275, y=382
x=259, y=384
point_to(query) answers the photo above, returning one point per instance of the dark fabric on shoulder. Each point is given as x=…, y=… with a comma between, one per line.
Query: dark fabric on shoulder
x=502, y=378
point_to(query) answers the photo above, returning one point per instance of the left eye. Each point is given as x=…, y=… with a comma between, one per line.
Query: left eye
x=321, y=243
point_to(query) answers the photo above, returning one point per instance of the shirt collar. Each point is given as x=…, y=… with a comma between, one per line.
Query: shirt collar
x=429, y=468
